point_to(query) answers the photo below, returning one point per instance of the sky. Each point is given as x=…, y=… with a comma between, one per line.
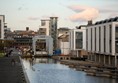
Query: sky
x=20, y=14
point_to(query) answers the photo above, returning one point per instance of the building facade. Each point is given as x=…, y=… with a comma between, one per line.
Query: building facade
x=42, y=45
x=23, y=38
x=49, y=28
x=63, y=44
x=63, y=30
x=78, y=42
x=44, y=28
x=102, y=41
x=2, y=23
x=53, y=31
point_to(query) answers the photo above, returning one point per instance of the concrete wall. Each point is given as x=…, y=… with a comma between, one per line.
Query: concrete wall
x=64, y=46
x=2, y=18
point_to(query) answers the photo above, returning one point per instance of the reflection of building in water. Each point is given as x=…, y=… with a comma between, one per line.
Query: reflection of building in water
x=45, y=60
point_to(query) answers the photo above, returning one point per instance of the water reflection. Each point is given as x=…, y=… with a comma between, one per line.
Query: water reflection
x=51, y=71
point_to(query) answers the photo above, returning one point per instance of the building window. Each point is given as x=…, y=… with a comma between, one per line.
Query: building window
x=110, y=38
x=104, y=38
x=116, y=38
x=95, y=38
x=99, y=38
x=79, y=40
x=87, y=39
x=43, y=23
x=91, y=39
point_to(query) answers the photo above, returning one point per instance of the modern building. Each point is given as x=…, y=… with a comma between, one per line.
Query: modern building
x=44, y=28
x=63, y=30
x=53, y=31
x=2, y=23
x=77, y=41
x=63, y=44
x=49, y=28
x=102, y=41
x=23, y=38
x=7, y=33
x=42, y=45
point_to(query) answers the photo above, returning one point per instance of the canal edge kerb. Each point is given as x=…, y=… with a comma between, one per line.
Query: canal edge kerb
x=23, y=68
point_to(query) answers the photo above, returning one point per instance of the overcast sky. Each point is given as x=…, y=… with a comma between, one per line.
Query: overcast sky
x=28, y=13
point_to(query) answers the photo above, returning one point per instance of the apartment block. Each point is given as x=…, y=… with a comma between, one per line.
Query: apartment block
x=77, y=41
x=102, y=41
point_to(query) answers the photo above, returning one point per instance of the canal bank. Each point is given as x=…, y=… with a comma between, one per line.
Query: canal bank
x=92, y=68
x=11, y=72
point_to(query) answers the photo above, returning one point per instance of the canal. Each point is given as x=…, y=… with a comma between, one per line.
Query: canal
x=43, y=70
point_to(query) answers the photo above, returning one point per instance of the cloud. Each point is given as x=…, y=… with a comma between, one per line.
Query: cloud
x=20, y=8
x=77, y=8
x=113, y=15
x=107, y=10
x=33, y=18
x=83, y=13
x=45, y=16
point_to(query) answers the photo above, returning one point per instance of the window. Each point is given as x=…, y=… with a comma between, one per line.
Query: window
x=110, y=38
x=79, y=40
x=43, y=23
x=91, y=39
x=87, y=39
x=95, y=38
x=116, y=38
x=104, y=38
x=99, y=38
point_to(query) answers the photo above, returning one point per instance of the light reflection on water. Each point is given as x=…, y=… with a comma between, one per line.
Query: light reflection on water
x=50, y=71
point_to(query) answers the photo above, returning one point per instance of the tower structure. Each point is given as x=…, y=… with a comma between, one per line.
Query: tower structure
x=53, y=30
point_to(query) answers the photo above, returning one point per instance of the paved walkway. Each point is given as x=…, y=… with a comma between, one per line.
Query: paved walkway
x=10, y=73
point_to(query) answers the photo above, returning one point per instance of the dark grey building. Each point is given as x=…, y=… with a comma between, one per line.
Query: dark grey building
x=53, y=31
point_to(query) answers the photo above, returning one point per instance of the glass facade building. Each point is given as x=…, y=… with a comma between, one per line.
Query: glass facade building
x=79, y=40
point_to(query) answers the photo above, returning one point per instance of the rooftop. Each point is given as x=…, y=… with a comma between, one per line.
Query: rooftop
x=107, y=21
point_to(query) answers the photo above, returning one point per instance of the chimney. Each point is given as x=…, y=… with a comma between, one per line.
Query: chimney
x=90, y=22
x=27, y=28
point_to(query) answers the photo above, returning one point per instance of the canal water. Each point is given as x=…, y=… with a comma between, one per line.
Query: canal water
x=43, y=70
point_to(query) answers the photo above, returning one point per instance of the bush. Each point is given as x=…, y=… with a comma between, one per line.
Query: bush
x=2, y=54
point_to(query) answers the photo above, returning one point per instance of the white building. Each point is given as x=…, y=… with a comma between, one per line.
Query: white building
x=102, y=41
x=78, y=41
x=63, y=42
x=49, y=28
x=42, y=45
x=2, y=22
x=44, y=28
